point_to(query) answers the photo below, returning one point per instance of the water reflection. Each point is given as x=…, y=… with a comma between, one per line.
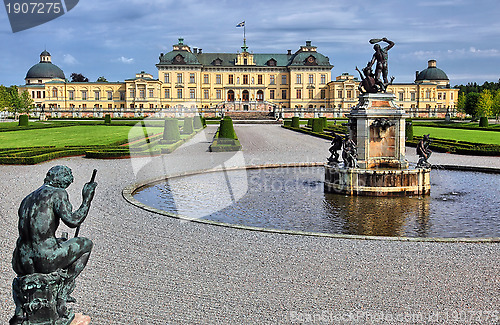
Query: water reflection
x=293, y=199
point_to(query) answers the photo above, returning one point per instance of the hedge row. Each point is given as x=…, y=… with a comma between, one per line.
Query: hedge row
x=455, y=125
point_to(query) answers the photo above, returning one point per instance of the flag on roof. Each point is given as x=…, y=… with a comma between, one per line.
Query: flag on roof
x=242, y=24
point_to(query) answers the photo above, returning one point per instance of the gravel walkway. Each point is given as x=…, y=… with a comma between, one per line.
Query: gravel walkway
x=150, y=269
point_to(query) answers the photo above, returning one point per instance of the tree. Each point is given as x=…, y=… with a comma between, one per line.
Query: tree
x=101, y=79
x=495, y=107
x=461, y=102
x=18, y=103
x=485, y=103
x=78, y=77
x=471, y=102
x=4, y=97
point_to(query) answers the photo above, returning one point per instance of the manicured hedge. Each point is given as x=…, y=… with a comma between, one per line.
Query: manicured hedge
x=171, y=132
x=188, y=126
x=295, y=122
x=23, y=120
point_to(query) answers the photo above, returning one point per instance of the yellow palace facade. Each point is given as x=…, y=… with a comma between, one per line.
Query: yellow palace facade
x=190, y=81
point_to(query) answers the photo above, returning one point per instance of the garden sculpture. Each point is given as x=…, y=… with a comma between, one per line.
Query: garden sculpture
x=336, y=146
x=424, y=152
x=47, y=266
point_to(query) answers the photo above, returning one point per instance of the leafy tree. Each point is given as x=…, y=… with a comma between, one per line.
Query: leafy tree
x=17, y=103
x=78, y=77
x=471, y=102
x=495, y=107
x=485, y=103
x=4, y=97
x=461, y=102
x=101, y=79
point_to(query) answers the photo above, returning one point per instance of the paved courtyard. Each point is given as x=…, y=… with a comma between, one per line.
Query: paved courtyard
x=150, y=269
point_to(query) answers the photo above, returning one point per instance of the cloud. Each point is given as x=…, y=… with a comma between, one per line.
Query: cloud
x=125, y=60
x=69, y=59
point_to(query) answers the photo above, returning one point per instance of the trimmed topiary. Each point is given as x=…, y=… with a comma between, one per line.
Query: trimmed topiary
x=107, y=119
x=197, y=123
x=23, y=120
x=310, y=122
x=188, y=126
x=295, y=122
x=204, y=121
x=325, y=122
x=317, y=125
x=409, y=129
x=483, y=121
x=226, y=129
x=171, y=132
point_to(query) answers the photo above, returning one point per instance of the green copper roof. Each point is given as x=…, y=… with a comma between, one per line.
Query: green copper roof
x=45, y=70
x=432, y=73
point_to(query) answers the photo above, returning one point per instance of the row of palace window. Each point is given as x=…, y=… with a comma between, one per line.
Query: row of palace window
x=401, y=96
x=245, y=94
x=245, y=79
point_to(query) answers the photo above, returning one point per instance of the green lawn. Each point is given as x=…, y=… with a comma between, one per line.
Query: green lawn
x=487, y=137
x=71, y=136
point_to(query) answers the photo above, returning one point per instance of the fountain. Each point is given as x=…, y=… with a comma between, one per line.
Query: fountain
x=374, y=151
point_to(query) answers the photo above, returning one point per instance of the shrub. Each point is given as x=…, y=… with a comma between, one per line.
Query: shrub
x=226, y=129
x=188, y=125
x=310, y=122
x=107, y=119
x=483, y=121
x=287, y=123
x=409, y=129
x=324, y=120
x=171, y=132
x=317, y=125
x=197, y=123
x=295, y=122
x=23, y=120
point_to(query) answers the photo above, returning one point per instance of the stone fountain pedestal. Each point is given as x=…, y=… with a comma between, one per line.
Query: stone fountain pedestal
x=377, y=126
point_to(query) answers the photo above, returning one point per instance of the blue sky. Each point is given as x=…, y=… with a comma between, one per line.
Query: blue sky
x=117, y=39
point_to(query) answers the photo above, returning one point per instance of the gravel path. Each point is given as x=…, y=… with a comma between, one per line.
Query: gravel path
x=150, y=269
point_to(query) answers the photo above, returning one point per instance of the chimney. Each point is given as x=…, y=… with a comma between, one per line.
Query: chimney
x=289, y=52
x=432, y=63
x=308, y=43
x=199, y=51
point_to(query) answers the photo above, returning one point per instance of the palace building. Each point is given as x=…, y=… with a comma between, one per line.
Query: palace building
x=245, y=83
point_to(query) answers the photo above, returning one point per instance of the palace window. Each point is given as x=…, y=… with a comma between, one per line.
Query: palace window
x=191, y=78
x=167, y=93
x=110, y=95
x=218, y=79
x=272, y=80
x=151, y=106
x=54, y=92
x=349, y=94
x=339, y=93
x=311, y=93
x=71, y=95
x=283, y=94
x=323, y=79
x=231, y=79
x=151, y=93
x=141, y=105
x=323, y=93
x=206, y=94
x=218, y=94
x=299, y=93
x=110, y=105
x=311, y=78
x=179, y=93
x=283, y=79
x=192, y=93
x=440, y=96
x=205, y=79
x=245, y=79
x=166, y=78
x=84, y=105
x=122, y=95
x=97, y=95
x=401, y=96
x=259, y=79
x=271, y=94
x=451, y=96
x=84, y=95
x=299, y=79
x=412, y=96
x=179, y=78
x=142, y=93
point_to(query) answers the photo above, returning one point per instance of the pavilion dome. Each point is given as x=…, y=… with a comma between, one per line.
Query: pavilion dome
x=45, y=69
x=431, y=73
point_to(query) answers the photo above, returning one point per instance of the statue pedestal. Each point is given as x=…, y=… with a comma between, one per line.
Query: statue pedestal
x=41, y=299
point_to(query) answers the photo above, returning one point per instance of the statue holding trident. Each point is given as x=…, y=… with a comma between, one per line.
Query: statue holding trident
x=47, y=266
x=380, y=57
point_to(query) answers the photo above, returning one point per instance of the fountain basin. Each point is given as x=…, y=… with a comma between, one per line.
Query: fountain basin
x=377, y=182
x=463, y=206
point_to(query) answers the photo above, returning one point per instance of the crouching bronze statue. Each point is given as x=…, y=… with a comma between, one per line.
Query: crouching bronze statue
x=47, y=266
